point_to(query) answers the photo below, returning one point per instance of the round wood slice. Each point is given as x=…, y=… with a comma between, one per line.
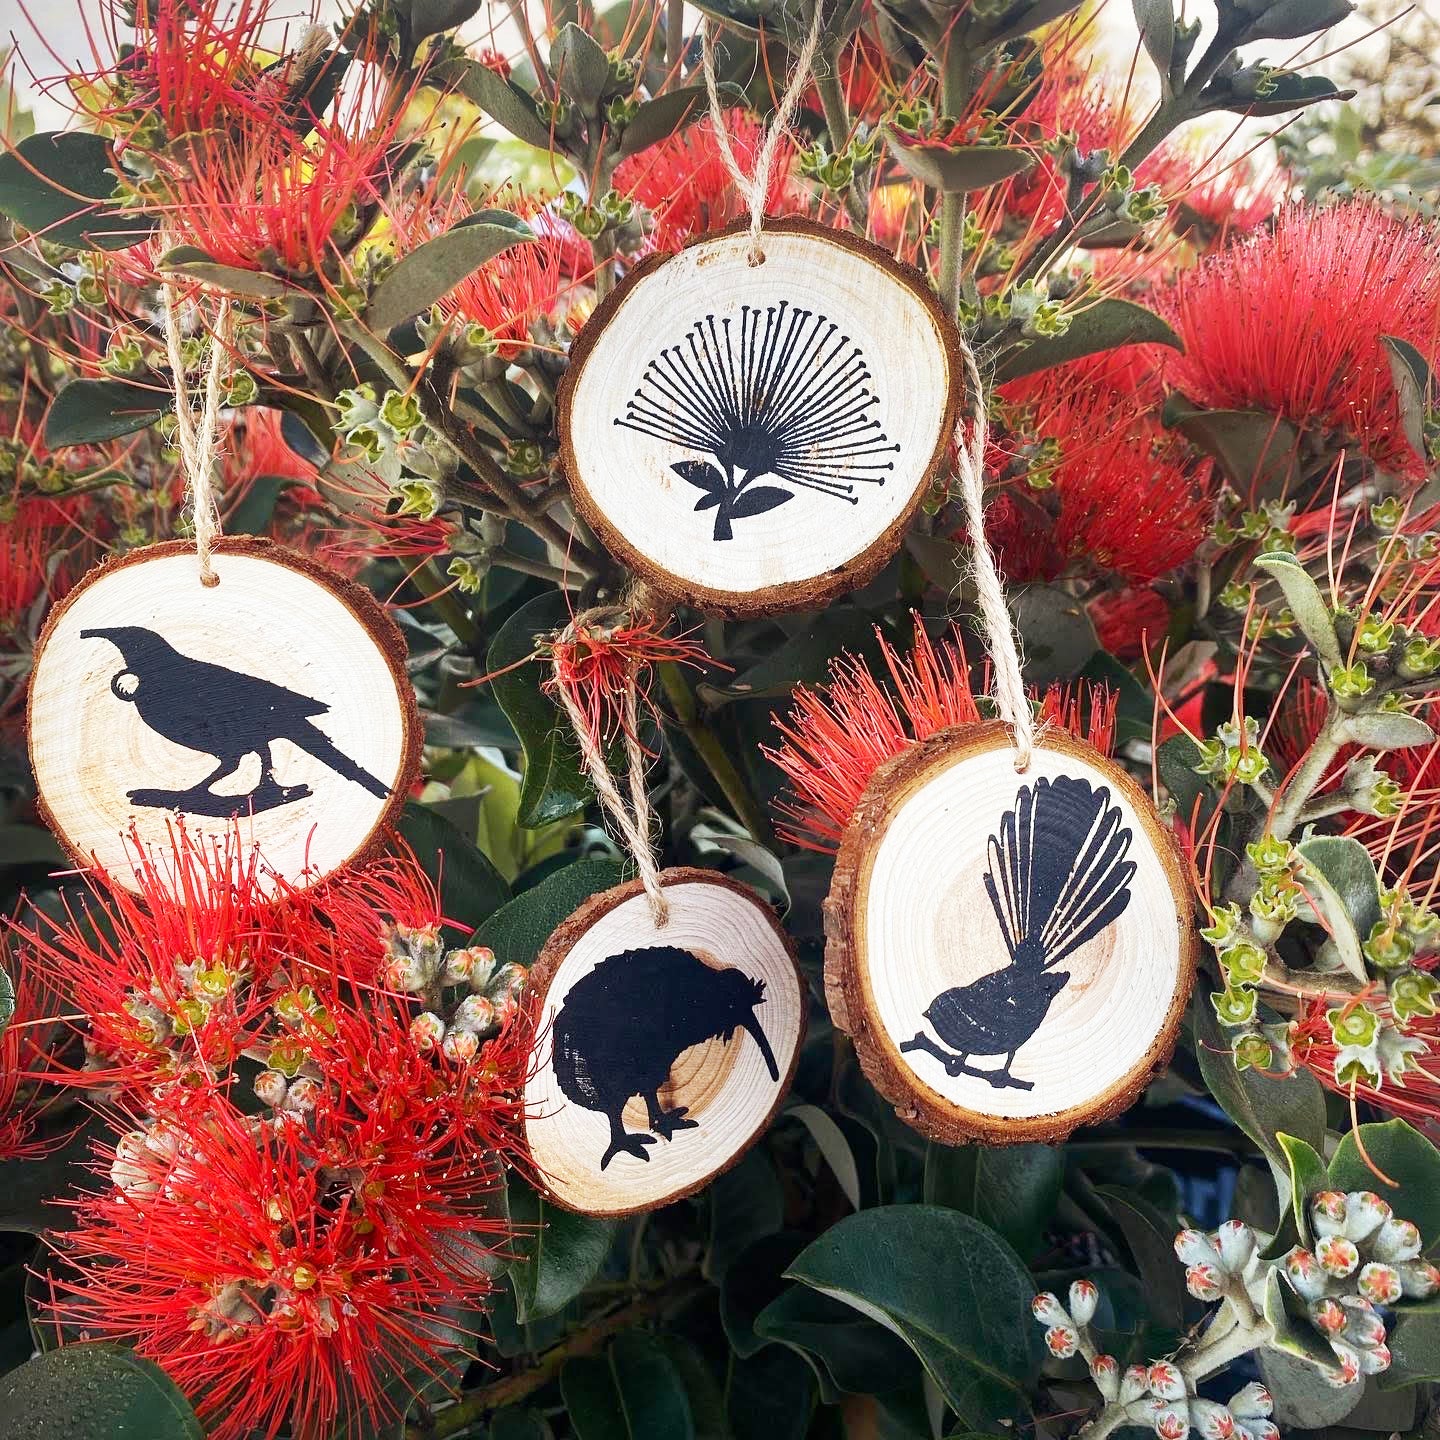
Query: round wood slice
x=755, y=438
x=155, y=696
x=1048, y=1006
x=683, y=1015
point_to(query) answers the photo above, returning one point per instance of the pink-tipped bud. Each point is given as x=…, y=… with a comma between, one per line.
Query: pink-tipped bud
x=1084, y=1297
x=1346, y=1370
x=1061, y=1341
x=1327, y=1213
x=270, y=1087
x=1328, y=1316
x=1419, y=1279
x=1375, y=1360
x=1379, y=1283
x=1396, y=1240
x=1166, y=1381
x=1194, y=1247
x=1134, y=1383
x=303, y=1095
x=1365, y=1213
x=1338, y=1256
x=1205, y=1282
x=427, y=1030
x=1237, y=1244
x=1105, y=1372
x=1262, y=1430
x=1252, y=1403
x=1363, y=1327
x=1211, y=1420
x=1048, y=1310
x=1171, y=1422
x=460, y=1046
x=508, y=980
x=1305, y=1275
x=475, y=1013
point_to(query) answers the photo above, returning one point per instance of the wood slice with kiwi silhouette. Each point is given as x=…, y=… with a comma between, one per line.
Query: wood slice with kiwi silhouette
x=756, y=438
x=274, y=703
x=660, y=1054
x=1011, y=953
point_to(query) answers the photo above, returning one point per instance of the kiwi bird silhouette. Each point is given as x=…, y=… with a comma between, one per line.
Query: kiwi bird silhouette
x=223, y=713
x=1057, y=876
x=625, y=1024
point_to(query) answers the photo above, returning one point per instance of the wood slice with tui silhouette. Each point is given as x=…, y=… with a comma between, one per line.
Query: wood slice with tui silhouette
x=276, y=699
x=660, y=1054
x=755, y=438
x=1011, y=953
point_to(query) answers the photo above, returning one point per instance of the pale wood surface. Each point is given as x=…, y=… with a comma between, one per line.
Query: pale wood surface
x=272, y=616
x=726, y=1086
x=909, y=918
x=814, y=545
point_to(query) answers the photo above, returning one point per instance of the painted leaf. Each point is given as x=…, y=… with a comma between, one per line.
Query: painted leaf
x=702, y=474
x=758, y=499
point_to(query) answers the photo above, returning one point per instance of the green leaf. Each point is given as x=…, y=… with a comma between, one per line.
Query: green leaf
x=832, y=1144
x=746, y=1205
x=1156, y=22
x=95, y=1392
x=30, y=1190
x=1101, y=325
x=515, y=1423
x=1410, y=371
x=1415, y=1348
x=580, y=67
x=632, y=1393
x=660, y=118
x=1059, y=637
x=951, y=1288
x=707, y=1404
x=87, y=412
x=1135, y=710
x=553, y=785
x=1151, y=1238
x=416, y=281
x=1410, y=1172
x=517, y=931
x=471, y=888
x=1294, y=1335
x=506, y=104
x=190, y=262
x=752, y=1281
x=1291, y=92
x=1307, y=1177
x=770, y=1396
x=59, y=186
x=1259, y=453
x=558, y=1253
x=1013, y=1189
x=1306, y=602
x=1388, y=730
x=957, y=169
x=1343, y=891
x=1304, y=1398
x=256, y=508
x=1176, y=760
x=424, y=18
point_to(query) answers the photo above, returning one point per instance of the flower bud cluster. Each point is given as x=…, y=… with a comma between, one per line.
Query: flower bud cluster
x=468, y=996
x=1363, y=1258
x=1218, y=1264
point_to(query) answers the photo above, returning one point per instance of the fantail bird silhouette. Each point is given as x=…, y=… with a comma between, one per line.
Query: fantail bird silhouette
x=221, y=712
x=1057, y=877
x=625, y=1024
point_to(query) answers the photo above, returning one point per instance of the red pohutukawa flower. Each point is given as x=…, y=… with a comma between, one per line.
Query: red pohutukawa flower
x=1291, y=323
x=1129, y=622
x=279, y=1290
x=838, y=734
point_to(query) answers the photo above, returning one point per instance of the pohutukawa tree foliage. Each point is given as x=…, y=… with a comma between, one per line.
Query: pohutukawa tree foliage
x=263, y=1168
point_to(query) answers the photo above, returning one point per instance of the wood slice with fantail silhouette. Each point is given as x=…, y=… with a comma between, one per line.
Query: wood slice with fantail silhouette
x=276, y=700
x=756, y=438
x=1011, y=953
x=660, y=1054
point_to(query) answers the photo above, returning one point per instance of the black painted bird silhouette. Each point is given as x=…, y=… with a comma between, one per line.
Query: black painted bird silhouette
x=1057, y=877
x=623, y=1027
x=223, y=713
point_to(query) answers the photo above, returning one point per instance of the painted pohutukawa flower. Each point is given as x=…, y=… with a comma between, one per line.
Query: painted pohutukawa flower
x=1262, y=330
x=838, y=734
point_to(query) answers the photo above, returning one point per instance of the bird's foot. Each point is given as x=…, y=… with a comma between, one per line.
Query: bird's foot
x=627, y=1145
x=1001, y=1079
x=667, y=1122
x=200, y=801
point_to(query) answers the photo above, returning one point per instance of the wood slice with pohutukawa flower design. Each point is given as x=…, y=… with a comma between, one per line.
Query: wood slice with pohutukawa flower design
x=276, y=700
x=1012, y=953
x=755, y=438
x=661, y=1052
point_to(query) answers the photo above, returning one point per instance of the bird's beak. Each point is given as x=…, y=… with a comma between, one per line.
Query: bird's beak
x=752, y=1024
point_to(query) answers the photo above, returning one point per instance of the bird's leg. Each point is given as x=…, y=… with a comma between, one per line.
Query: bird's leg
x=666, y=1122
x=1002, y=1078
x=623, y=1142
x=923, y=1042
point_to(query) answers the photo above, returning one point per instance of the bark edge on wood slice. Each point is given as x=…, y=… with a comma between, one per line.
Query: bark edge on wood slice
x=585, y=1152
x=1126, y=981
x=309, y=818
x=910, y=323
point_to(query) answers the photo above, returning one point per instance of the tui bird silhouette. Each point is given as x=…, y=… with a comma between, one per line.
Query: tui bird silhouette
x=624, y=1025
x=224, y=713
x=1057, y=877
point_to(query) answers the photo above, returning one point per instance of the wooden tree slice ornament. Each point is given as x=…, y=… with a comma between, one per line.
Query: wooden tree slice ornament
x=662, y=1051
x=276, y=697
x=1011, y=952
x=754, y=438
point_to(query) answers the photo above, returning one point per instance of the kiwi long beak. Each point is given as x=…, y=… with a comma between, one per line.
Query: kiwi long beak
x=752, y=1024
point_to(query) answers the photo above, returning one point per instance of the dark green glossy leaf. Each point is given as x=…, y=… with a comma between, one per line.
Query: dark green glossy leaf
x=830, y=1140
x=87, y=412
x=746, y=1204
x=256, y=508
x=770, y=1396
x=518, y=930
x=1307, y=1178
x=747, y=1286
x=190, y=262
x=517, y=1423
x=1409, y=1178
x=660, y=118
x=1410, y=371
x=433, y=269
x=957, y=169
x=59, y=186
x=632, y=1393
x=1013, y=1189
x=1415, y=1348
x=702, y=1390
x=1101, y=325
x=1259, y=453
x=553, y=785
x=950, y=1287
x=95, y=1392
x=558, y=1253
x=852, y=1354
x=471, y=888
x=1151, y=1238
x=1058, y=633
x=30, y=1189
x=506, y=104
x=1176, y=760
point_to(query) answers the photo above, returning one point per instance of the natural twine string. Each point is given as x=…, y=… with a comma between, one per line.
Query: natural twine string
x=756, y=188
x=634, y=821
x=196, y=434
x=1008, y=683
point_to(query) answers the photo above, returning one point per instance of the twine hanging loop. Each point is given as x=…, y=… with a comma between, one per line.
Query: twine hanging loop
x=756, y=188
